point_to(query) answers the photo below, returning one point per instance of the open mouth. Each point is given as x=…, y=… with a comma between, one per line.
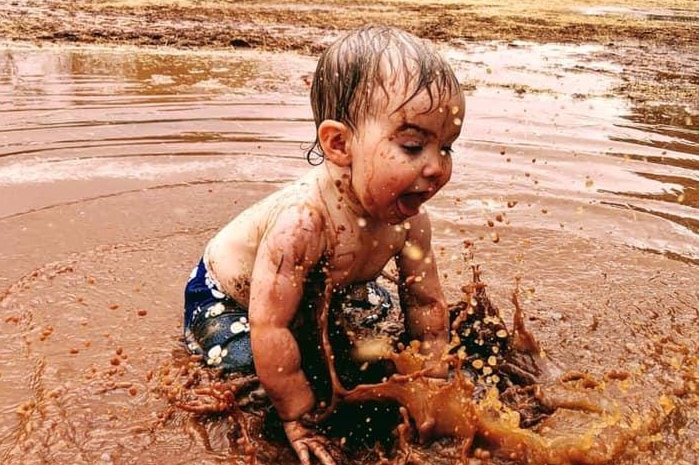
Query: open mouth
x=409, y=204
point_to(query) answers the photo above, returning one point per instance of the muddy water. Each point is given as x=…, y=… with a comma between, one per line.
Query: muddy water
x=117, y=165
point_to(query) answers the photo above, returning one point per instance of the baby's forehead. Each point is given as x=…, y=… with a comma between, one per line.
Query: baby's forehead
x=403, y=99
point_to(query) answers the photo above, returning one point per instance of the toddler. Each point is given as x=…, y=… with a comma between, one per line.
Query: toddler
x=387, y=110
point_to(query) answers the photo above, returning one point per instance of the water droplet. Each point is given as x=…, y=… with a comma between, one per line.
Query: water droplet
x=413, y=252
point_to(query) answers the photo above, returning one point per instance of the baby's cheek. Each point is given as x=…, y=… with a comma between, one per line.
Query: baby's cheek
x=383, y=157
x=447, y=166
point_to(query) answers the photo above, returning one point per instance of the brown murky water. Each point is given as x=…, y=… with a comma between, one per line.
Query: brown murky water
x=116, y=166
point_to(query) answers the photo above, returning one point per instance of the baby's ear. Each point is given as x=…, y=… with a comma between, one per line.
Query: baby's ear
x=332, y=136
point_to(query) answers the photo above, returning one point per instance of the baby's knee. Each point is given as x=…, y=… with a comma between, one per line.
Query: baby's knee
x=221, y=335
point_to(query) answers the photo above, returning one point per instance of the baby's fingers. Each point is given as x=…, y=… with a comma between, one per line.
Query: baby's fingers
x=302, y=453
x=321, y=453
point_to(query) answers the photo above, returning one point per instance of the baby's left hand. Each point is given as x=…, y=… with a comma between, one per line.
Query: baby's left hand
x=306, y=441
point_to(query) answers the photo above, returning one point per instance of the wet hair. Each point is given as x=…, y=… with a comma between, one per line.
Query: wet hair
x=373, y=58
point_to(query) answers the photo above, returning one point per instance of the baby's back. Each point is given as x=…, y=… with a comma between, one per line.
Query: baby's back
x=231, y=253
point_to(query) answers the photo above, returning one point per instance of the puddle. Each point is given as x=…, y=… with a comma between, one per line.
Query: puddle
x=135, y=120
x=548, y=132
x=116, y=165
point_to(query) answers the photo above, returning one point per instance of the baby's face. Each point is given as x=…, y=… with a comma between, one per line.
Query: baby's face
x=401, y=158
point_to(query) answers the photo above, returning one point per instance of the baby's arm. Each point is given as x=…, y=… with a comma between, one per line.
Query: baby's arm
x=289, y=248
x=421, y=295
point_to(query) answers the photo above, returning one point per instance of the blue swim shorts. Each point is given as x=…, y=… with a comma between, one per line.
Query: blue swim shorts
x=217, y=327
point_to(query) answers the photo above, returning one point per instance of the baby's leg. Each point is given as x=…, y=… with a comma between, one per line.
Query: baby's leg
x=221, y=334
x=364, y=329
x=216, y=326
x=364, y=304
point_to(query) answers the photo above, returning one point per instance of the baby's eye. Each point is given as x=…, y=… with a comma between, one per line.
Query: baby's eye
x=446, y=151
x=412, y=149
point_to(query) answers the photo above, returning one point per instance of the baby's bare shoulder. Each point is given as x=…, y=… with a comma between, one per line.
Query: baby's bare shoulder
x=288, y=221
x=286, y=208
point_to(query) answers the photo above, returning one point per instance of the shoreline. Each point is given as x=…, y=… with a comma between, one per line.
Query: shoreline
x=300, y=26
x=634, y=34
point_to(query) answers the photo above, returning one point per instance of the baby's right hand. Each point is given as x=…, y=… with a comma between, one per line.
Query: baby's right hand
x=306, y=441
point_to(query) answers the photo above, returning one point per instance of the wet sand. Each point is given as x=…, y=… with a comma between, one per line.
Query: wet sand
x=576, y=173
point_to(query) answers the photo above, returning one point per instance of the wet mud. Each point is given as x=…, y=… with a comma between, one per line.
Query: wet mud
x=507, y=401
x=574, y=186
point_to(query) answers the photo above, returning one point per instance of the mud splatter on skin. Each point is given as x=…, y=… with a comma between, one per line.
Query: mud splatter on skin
x=240, y=288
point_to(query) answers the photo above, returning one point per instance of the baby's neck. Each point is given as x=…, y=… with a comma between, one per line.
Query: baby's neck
x=336, y=188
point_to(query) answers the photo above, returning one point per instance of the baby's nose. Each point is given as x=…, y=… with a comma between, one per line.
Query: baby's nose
x=434, y=166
